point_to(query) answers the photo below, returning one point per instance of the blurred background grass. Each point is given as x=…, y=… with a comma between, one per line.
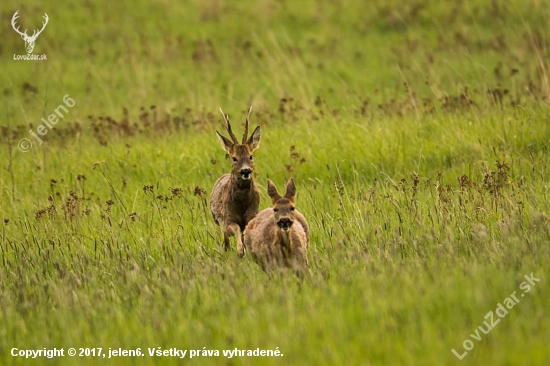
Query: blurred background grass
x=417, y=133
x=203, y=54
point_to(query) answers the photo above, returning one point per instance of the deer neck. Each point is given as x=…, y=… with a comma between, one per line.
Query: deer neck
x=285, y=238
x=241, y=184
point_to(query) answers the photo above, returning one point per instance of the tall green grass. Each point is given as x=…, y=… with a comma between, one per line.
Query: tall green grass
x=417, y=134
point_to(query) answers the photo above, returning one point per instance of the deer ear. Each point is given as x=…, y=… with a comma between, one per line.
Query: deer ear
x=226, y=143
x=254, y=140
x=272, y=191
x=290, y=190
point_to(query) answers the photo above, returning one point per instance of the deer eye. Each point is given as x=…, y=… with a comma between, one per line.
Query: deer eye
x=234, y=159
x=292, y=209
x=251, y=157
x=275, y=210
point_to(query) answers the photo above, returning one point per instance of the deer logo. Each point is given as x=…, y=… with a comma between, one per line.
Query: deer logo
x=29, y=40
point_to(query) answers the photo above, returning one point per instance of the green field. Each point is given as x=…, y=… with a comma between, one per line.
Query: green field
x=418, y=134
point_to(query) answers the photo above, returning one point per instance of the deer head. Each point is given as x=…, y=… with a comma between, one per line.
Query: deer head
x=283, y=207
x=241, y=153
x=29, y=40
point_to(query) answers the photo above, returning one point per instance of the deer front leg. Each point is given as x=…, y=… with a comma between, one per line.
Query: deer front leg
x=234, y=229
x=226, y=242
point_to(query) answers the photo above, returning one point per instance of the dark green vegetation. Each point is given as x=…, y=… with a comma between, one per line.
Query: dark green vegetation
x=418, y=136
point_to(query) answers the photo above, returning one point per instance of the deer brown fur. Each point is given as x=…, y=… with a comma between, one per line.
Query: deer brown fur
x=235, y=199
x=279, y=235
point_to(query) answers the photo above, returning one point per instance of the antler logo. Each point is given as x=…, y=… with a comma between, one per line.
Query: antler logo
x=29, y=40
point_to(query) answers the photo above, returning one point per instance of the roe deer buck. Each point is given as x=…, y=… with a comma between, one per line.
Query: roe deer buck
x=279, y=235
x=235, y=199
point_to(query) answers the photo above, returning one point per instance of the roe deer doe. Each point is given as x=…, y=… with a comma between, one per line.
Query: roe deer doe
x=235, y=199
x=279, y=235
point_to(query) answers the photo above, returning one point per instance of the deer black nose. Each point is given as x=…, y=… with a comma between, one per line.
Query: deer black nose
x=245, y=173
x=284, y=223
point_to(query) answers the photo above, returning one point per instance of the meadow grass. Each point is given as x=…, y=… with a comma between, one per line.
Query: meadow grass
x=417, y=134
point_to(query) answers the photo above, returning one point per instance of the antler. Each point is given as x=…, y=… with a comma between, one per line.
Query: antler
x=24, y=34
x=35, y=34
x=13, y=19
x=228, y=128
x=245, y=134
